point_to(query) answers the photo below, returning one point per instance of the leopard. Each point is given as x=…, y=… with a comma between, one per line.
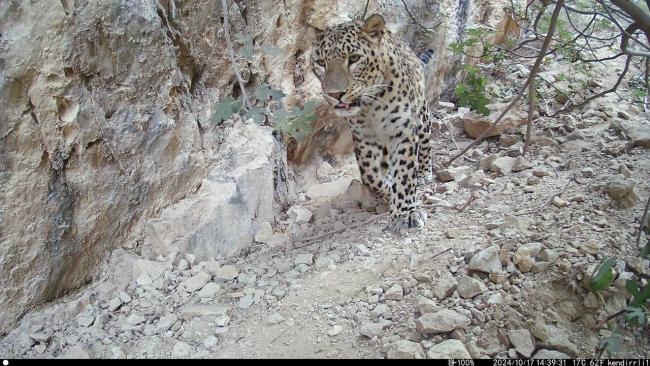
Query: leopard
x=376, y=83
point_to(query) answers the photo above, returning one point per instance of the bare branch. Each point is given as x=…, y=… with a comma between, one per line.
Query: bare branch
x=604, y=92
x=231, y=54
x=530, y=79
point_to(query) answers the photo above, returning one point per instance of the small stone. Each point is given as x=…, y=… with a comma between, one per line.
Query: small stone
x=426, y=306
x=469, y=287
x=210, y=342
x=450, y=348
x=165, y=323
x=183, y=265
x=498, y=277
x=85, y=320
x=558, y=202
x=522, y=341
x=521, y=164
x=372, y=330
x=304, y=258
x=124, y=297
x=181, y=350
x=578, y=198
x=135, y=319
x=247, y=278
x=245, y=301
x=75, y=352
x=225, y=273
x=422, y=277
x=587, y=172
x=532, y=180
x=299, y=215
x=361, y=250
x=380, y=309
x=639, y=135
x=550, y=354
x=486, y=261
x=404, y=349
x=40, y=348
x=495, y=299
x=394, y=293
x=196, y=282
x=539, y=267
x=443, y=286
x=209, y=290
x=222, y=320
x=548, y=255
x=540, y=172
x=442, y=321
x=591, y=301
x=335, y=330
x=114, y=304
x=502, y=165
x=275, y=318
x=192, y=311
x=278, y=240
x=559, y=339
x=454, y=173
x=622, y=192
x=264, y=232
x=592, y=246
x=446, y=105
x=523, y=260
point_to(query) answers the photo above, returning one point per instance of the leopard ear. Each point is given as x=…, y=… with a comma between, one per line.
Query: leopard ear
x=374, y=25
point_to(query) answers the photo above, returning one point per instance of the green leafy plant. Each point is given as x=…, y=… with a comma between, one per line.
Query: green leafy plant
x=471, y=92
x=603, y=275
x=266, y=105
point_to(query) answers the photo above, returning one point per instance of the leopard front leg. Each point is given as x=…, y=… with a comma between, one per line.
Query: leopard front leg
x=371, y=159
x=405, y=210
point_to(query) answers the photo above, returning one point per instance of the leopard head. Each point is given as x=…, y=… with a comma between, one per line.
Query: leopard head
x=346, y=60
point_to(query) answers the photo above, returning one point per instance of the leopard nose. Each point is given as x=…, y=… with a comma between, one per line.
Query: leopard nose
x=336, y=96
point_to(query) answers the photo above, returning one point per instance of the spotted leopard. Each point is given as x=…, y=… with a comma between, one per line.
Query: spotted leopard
x=376, y=83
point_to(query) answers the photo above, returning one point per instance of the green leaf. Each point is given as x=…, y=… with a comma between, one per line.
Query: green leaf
x=225, y=109
x=257, y=114
x=475, y=32
x=603, y=274
x=264, y=91
x=612, y=343
x=635, y=315
x=272, y=50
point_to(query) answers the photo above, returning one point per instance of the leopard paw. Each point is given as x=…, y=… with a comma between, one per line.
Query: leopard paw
x=414, y=218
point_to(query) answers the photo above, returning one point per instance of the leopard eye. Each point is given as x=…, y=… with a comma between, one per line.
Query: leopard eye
x=321, y=62
x=353, y=58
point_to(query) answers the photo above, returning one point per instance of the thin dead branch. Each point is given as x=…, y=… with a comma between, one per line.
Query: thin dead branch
x=231, y=53
x=531, y=76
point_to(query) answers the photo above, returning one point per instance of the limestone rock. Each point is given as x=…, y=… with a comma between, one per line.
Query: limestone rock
x=640, y=135
x=453, y=173
x=442, y=321
x=443, y=286
x=394, y=293
x=622, y=192
x=372, y=330
x=196, y=282
x=299, y=215
x=550, y=354
x=486, y=261
x=450, y=348
x=558, y=339
x=469, y=287
x=225, y=273
x=404, y=349
x=502, y=165
x=522, y=341
x=475, y=124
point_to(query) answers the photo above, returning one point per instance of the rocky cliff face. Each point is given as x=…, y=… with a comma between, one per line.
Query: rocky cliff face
x=105, y=131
